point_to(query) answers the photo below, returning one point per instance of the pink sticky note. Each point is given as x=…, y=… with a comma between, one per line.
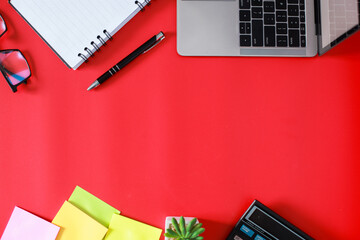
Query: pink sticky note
x=24, y=225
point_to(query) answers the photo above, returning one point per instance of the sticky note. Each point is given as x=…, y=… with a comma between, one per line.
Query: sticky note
x=25, y=225
x=77, y=225
x=125, y=228
x=92, y=206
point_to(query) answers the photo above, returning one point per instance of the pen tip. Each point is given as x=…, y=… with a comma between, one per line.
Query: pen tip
x=93, y=85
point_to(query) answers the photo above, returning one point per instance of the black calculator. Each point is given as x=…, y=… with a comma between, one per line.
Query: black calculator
x=261, y=223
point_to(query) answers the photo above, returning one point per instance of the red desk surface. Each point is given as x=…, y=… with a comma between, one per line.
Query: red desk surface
x=192, y=136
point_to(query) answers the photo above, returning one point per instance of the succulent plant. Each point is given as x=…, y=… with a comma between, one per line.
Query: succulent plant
x=180, y=231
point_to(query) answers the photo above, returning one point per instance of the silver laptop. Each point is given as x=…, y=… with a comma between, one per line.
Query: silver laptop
x=264, y=27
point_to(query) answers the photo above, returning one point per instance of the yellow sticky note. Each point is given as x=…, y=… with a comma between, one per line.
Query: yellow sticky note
x=125, y=228
x=77, y=225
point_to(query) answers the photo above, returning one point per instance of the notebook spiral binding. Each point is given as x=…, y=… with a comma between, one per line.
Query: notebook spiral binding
x=141, y=6
x=108, y=36
x=95, y=46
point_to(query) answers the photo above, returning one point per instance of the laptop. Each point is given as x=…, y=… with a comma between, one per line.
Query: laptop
x=297, y=28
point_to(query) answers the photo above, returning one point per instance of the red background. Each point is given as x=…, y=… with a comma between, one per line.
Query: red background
x=191, y=136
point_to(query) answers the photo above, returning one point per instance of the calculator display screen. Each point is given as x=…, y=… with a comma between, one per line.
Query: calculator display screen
x=271, y=225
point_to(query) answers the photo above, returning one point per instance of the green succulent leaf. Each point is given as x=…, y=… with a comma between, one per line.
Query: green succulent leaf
x=168, y=235
x=176, y=226
x=191, y=225
x=197, y=232
x=199, y=238
x=182, y=226
x=172, y=232
x=196, y=227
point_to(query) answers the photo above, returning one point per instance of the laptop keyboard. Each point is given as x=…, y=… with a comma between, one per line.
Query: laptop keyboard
x=272, y=23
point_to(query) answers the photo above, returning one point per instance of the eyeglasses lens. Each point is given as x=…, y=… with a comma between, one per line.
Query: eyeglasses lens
x=14, y=66
x=2, y=26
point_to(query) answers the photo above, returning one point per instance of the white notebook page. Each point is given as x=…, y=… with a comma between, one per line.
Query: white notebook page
x=69, y=26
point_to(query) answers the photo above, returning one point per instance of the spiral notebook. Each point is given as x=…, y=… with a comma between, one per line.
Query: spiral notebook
x=76, y=29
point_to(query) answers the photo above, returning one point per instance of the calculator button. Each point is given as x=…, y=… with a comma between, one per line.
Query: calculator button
x=258, y=237
x=247, y=230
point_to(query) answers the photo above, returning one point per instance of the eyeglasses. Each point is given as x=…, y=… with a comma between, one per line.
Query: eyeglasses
x=13, y=64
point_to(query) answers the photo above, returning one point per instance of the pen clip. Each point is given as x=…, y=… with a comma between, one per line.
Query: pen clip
x=159, y=37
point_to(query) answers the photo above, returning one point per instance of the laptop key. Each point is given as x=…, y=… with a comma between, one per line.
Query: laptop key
x=269, y=36
x=269, y=6
x=281, y=16
x=281, y=28
x=244, y=4
x=293, y=22
x=280, y=4
x=245, y=40
x=248, y=28
x=245, y=15
x=294, y=38
x=302, y=29
x=281, y=41
x=269, y=19
x=293, y=1
x=293, y=10
x=257, y=33
x=302, y=16
x=302, y=4
x=257, y=12
x=242, y=28
x=256, y=2
x=303, y=41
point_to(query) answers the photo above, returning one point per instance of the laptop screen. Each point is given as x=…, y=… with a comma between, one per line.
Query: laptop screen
x=339, y=19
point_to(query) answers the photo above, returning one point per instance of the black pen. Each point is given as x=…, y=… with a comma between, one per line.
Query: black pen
x=140, y=50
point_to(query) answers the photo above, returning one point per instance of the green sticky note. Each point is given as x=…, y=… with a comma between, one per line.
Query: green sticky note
x=125, y=228
x=93, y=206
